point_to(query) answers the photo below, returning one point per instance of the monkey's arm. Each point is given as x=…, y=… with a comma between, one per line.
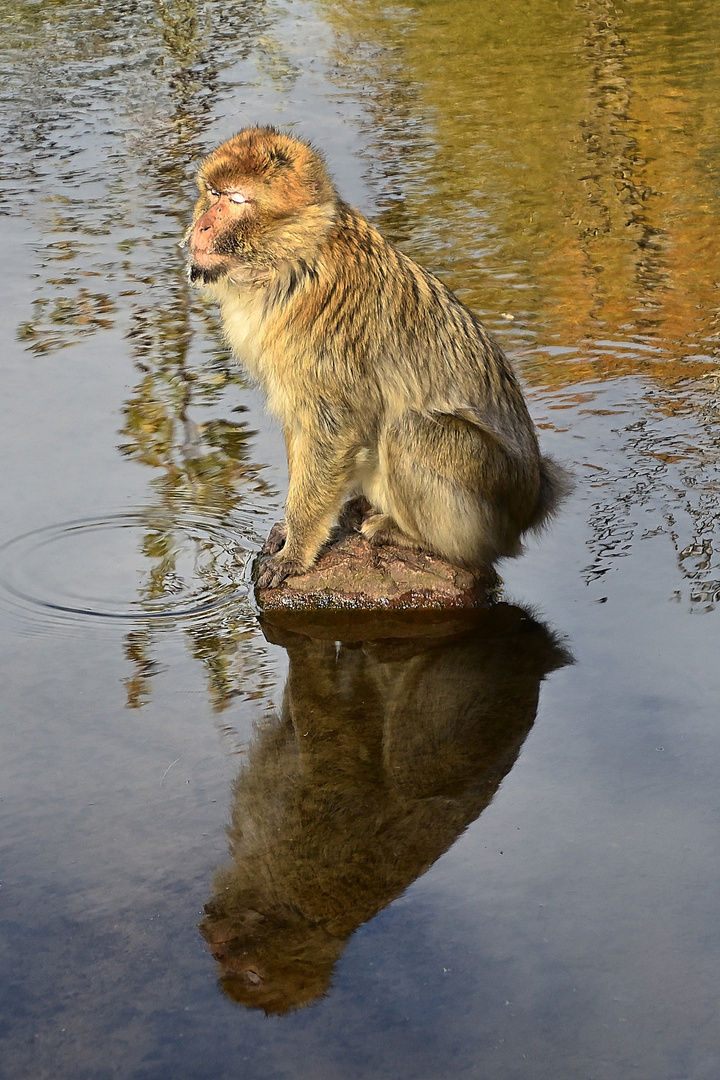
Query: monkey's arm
x=278, y=534
x=321, y=471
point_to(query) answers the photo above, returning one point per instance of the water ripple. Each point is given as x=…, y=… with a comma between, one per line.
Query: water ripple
x=138, y=565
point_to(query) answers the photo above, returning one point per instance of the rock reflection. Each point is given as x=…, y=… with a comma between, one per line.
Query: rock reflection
x=385, y=751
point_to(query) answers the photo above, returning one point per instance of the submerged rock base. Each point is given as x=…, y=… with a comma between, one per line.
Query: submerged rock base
x=353, y=575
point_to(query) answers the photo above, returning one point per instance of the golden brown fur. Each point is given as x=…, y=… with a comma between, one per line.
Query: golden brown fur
x=386, y=385
x=384, y=753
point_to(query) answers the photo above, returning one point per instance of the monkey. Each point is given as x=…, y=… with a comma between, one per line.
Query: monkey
x=384, y=752
x=400, y=412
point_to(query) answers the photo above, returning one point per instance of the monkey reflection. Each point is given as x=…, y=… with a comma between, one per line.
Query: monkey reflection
x=384, y=754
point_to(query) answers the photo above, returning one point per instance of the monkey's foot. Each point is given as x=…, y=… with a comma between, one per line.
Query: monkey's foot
x=353, y=514
x=276, y=539
x=382, y=529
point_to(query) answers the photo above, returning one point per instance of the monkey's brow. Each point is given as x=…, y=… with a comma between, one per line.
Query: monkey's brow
x=225, y=189
x=229, y=191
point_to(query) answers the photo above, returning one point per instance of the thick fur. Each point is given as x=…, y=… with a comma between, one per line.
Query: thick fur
x=386, y=385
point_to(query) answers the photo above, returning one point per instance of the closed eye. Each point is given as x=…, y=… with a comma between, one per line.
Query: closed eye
x=236, y=197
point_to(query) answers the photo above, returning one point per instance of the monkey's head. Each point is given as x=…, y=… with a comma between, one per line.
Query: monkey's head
x=265, y=198
x=273, y=961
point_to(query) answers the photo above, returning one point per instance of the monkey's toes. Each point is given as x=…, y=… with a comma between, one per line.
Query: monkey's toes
x=275, y=539
x=381, y=529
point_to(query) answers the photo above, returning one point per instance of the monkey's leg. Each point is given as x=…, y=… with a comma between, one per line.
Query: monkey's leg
x=441, y=483
x=321, y=476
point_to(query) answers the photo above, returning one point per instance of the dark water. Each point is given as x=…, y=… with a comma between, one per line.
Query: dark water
x=488, y=852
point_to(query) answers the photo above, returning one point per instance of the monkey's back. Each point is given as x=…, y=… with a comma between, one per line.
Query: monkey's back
x=357, y=318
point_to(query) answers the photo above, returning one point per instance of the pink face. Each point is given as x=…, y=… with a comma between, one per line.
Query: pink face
x=216, y=225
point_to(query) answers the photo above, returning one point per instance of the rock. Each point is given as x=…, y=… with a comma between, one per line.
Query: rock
x=353, y=575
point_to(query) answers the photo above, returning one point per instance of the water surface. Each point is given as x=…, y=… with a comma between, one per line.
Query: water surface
x=490, y=850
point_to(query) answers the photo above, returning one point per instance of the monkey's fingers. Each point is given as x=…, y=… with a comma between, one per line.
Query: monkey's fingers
x=274, y=572
x=275, y=539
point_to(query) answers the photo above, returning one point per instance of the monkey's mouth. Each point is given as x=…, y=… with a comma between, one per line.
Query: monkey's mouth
x=206, y=275
x=207, y=266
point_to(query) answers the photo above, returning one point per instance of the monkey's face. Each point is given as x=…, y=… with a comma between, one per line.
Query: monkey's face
x=253, y=189
x=216, y=240
x=271, y=961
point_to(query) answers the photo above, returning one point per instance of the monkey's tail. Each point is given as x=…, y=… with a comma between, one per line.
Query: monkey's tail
x=556, y=483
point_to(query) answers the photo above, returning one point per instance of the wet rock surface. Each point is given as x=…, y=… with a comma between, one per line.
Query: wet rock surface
x=353, y=575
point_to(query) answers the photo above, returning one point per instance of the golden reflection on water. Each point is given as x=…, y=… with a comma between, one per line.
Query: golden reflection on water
x=569, y=170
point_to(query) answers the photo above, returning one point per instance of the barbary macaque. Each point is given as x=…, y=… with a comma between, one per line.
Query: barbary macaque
x=398, y=408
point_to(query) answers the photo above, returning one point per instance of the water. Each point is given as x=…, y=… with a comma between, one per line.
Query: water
x=487, y=851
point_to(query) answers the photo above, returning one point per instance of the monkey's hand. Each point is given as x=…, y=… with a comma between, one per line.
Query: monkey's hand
x=276, y=539
x=275, y=570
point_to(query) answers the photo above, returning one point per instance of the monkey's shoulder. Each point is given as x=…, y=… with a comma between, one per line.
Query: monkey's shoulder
x=405, y=287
